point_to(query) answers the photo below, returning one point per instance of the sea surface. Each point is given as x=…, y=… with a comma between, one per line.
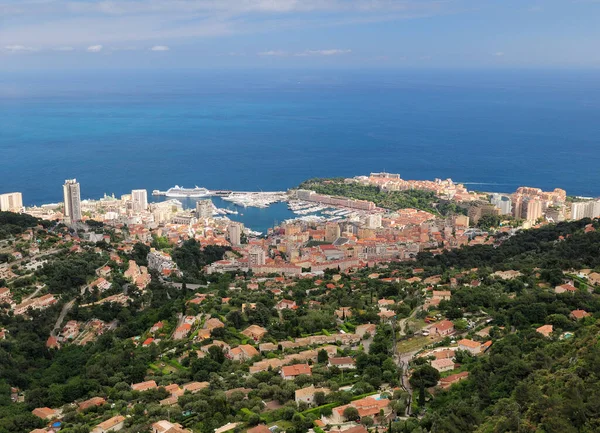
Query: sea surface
x=269, y=130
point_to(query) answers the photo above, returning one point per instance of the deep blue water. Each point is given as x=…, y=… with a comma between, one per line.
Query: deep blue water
x=269, y=130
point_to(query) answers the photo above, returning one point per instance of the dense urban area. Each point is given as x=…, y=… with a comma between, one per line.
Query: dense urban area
x=386, y=305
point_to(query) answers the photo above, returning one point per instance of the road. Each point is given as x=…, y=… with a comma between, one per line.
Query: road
x=61, y=317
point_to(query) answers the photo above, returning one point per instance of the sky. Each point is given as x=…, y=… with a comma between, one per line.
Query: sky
x=212, y=34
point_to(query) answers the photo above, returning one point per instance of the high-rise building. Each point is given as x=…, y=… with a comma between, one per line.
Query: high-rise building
x=332, y=231
x=256, y=257
x=503, y=203
x=11, y=202
x=374, y=221
x=204, y=209
x=533, y=210
x=72, y=197
x=235, y=233
x=139, y=198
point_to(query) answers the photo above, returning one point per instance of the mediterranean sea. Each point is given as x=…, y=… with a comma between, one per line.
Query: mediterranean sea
x=269, y=130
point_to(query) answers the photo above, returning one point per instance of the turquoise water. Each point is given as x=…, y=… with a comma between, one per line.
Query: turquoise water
x=270, y=130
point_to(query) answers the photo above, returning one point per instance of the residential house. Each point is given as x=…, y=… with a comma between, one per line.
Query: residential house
x=442, y=328
x=45, y=413
x=165, y=426
x=243, y=352
x=448, y=381
x=144, y=386
x=369, y=328
x=115, y=423
x=290, y=372
x=578, y=314
x=545, y=330
x=474, y=347
x=307, y=395
x=286, y=304
x=255, y=332
x=442, y=365
x=92, y=402
x=182, y=331
x=565, y=288
x=368, y=406
x=343, y=363
x=213, y=323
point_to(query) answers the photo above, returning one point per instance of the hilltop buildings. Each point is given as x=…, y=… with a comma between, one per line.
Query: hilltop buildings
x=72, y=201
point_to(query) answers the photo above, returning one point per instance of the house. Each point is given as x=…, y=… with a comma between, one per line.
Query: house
x=443, y=295
x=194, y=387
x=148, y=341
x=92, y=402
x=594, y=278
x=442, y=365
x=369, y=328
x=103, y=272
x=343, y=363
x=448, y=381
x=368, y=406
x=213, y=323
x=227, y=427
x=442, y=328
x=383, y=304
x=444, y=354
x=259, y=429
x=243, y=352
x=45, y=412
x=218, y=343
x=356, y=429
x=182, y=331
x=343, y=313
x=286, y=304
x=157, y=327
x=290, y=372
x=307, y=395
x=268, y=347
x=578, y=314
x=471, y=346
x=203, y=334
x=101, y=284
x=165, y=426
x=565, y=288
x=144, y=386
x=545, y=330
x=255, y=332
x=386, y=315
x=112, y=424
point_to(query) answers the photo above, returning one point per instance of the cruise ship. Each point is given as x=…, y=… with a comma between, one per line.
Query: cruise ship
x=179, y=191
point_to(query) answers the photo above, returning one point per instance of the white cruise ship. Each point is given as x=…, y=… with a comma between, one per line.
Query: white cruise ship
x=179, y=191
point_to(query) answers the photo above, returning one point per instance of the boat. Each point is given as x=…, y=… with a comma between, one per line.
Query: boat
x=179, y=191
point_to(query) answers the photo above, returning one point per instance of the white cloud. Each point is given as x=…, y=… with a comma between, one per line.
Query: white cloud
x=52, y=23
x=18, y=49
x=94, y=48
x=499, y=54
x=159, y=48
x=273, y=53
x=331, y=52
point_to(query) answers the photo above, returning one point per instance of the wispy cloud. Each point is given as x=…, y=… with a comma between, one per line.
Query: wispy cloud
x=49, y=23
x=159, y=48
x=18, y=49
x=94, y=48
x=330, y=52
x=499, y=54
x=272, y=53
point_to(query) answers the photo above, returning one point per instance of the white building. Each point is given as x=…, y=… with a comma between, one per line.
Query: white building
x=204, y=209
x=11, y=202
x=235, y=233
x=256, y=257
x=139, y=199
x=72, y=200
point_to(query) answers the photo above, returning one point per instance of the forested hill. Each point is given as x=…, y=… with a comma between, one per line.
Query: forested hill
x=565, y=245
x=12, y=224
x=392, y=200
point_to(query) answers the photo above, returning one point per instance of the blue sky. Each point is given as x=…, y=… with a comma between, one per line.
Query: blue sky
x=96, y=34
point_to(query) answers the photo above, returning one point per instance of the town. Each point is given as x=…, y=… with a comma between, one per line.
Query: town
x=123, y=315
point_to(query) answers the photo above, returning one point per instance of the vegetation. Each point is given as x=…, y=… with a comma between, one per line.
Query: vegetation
x=393, y=200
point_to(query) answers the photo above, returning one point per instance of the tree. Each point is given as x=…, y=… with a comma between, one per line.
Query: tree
x=322, y=356
x=424, y=377
x=351, y=414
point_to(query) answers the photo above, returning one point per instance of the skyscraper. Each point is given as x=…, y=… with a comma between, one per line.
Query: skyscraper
x=72, y=197
x=12, y=201
x=235, y=234
x=139, y=199
x=204, y=209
